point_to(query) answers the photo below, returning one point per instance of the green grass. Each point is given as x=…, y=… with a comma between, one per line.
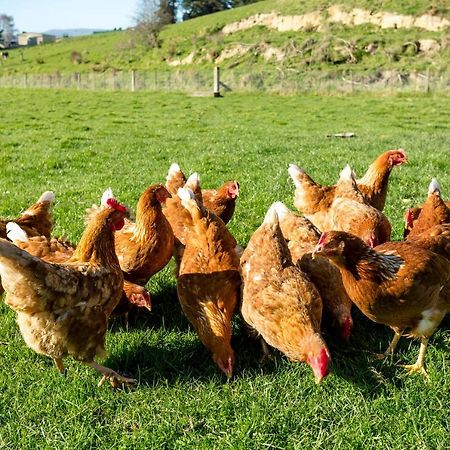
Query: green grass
x=78, y=143
x=120, y=51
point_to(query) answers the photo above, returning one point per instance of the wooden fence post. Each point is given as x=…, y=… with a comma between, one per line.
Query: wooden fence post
x=78, y=79
x=133, y=80
x=427, y=85
x=216, y=86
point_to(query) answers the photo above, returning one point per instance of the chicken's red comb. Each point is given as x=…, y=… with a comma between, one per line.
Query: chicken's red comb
x=322, y=238
x=409, y=217
x=347, y=329
x=324, y=362
x=229, y=365
x=113, y=203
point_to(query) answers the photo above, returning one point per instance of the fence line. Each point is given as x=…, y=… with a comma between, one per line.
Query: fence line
x=201, y=81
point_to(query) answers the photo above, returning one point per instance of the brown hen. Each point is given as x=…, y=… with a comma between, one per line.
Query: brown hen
x=209, y=280
x=302, y=237
x=221, y=202
x=63, y=309
x=279, y=302
x=314, y=200
x=397, y=284
x=433, y=212
x=146, y=246
x=436, y=239
x=374, y=183
x=36, y=220
x=56, y=250
x=350, y=213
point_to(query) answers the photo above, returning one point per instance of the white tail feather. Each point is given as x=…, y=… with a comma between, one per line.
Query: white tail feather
x=47, y=196
x=173, y=170
x=186, y=196
x=15, y=233
x=294, y=172
x=281, y=209
x=193, y=182
x=434, y=187
x=347, y=173
x=271, y=217
x=106, y=195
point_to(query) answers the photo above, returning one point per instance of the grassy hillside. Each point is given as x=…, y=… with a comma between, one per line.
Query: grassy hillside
x=200, y=43
x=78, y=143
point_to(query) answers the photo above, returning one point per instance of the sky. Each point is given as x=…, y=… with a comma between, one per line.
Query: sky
x=43, y=15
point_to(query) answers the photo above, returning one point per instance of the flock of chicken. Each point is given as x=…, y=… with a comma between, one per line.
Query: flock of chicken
x=293, y=267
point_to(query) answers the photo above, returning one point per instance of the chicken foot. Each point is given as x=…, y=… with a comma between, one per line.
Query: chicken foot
x=110, y=375
x=392, y=346
x=419, y=365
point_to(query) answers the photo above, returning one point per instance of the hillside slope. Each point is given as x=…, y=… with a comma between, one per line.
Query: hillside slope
x=289, y=35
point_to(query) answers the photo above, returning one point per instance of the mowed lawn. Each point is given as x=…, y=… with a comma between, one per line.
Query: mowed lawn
x=79, y=143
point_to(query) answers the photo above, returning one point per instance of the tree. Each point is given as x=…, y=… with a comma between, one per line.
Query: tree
x=8, y=30
x=237, y=3
x=167, y=11
x=195, y=8
x=151, y=16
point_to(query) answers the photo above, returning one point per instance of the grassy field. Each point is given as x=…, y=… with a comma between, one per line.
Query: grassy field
x=305, y=50
x=79, y=143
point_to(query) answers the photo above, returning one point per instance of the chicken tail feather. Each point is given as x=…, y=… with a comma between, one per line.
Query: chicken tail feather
x=186, y=196
x=106, y=196
x=174, y=170
x=15, y=233
x=47, y=196
x=281, y=209
x=434, y=188
x=14, y=261
x=296, y=173
x=271, y=217
x=347, y=174
x=193, y=182
x=175, y=178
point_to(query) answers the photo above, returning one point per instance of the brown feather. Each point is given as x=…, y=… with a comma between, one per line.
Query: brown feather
x=393, y=284
x=63, y=308
x=278, y=300
x=145, y=247
x=209, y=281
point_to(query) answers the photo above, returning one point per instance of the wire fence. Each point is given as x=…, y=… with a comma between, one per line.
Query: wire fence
x=201, y=81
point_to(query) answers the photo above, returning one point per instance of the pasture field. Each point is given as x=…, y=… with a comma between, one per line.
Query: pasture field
x=79, y=143
x=335, y=49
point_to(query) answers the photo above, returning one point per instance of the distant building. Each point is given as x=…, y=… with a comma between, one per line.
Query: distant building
x=35, y=38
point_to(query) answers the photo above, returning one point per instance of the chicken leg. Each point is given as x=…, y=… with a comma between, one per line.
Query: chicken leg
x=113, y=377
x=266, y=354
x=60, y=366
x=390, y=350
x=419, y=365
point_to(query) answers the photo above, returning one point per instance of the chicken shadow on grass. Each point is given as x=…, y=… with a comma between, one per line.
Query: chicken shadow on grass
x=166, y=314
x=357, y=361
x=189, y=360
x=186, y=360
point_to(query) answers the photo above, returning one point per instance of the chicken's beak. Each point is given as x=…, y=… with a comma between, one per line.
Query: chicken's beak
x=319, y=365
x=227, y=367
x=317, y=250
